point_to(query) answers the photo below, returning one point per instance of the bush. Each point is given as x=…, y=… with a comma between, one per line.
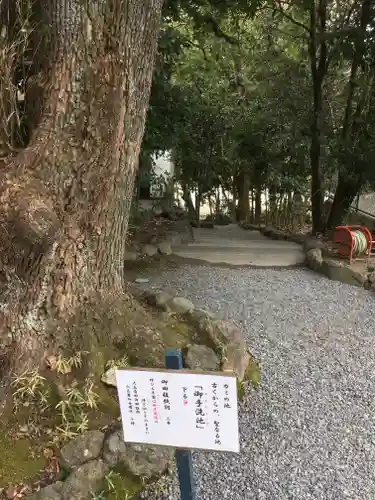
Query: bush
x=222, y=219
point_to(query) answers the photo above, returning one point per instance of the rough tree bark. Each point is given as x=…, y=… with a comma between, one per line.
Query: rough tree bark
x=65, y=198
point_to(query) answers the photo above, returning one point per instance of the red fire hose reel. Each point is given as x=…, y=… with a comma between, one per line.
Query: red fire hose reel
x=353, y=242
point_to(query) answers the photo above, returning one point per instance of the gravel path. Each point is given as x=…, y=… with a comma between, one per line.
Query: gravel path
x=309, y=432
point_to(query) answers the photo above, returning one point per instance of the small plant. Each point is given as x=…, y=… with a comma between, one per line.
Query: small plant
x=98, y=496
x=117, y=364
x=222, y=352
x=29, y=387
x=65, y=365
x=109, y=478
x=72, y=409
x=241, y=388
x=110, y=488
x=252, y=373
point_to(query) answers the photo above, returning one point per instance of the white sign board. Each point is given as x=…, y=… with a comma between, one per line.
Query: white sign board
x=179, y=409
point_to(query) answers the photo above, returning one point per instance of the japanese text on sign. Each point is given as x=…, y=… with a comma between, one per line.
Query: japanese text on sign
x=179, y=409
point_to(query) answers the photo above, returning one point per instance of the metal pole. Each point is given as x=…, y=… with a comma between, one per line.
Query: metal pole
x=173, y=361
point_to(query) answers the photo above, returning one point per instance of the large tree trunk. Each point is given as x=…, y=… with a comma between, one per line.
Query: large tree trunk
x=345, y=194
x=65, y=198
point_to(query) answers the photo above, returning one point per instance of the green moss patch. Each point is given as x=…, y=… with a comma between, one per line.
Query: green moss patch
x=119, y=486
x=20, y=460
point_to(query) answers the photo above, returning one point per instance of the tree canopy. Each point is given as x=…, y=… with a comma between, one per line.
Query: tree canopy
x=268, y=96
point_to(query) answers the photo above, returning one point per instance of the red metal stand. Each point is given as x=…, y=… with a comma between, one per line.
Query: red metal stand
x=343, y=238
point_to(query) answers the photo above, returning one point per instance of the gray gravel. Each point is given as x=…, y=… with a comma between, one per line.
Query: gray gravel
x=309, y=432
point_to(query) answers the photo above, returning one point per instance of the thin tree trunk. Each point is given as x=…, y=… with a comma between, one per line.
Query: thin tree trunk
x=234, y=200
x=217, y=202
x=252, y=213
x=65, y=199
x=319, y=66
x=273, y=203
x=266, y=205
x=243, y=197
x=289, y=209
x=258, y=205
x=198, y=201
x=186, y=196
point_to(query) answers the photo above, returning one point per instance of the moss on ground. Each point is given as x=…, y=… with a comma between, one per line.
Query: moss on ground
x=252, y=373
x=20, y=459
x=119, y=328
x=119, y=486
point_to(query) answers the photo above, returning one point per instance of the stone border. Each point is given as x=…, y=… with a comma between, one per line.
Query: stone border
x=316, y=258
x=223, y=338
x=220, y=345
x=89, y=457
x=156, y=246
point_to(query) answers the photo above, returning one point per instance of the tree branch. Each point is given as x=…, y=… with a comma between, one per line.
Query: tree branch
x=290, y=18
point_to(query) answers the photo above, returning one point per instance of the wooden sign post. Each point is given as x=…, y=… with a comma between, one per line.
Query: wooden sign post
x=186, y=410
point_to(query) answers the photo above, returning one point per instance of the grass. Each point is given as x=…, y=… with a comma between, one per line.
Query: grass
x=117, y=487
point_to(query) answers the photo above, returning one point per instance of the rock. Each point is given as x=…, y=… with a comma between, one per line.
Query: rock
x=159, y=300
x=268, y=231
x=197, y=315
x=184, y=228
x=312, y=243
x=297, y=238
x=109, y=377
x=165, y=248
x=236, y=360
x=82, y=449
x=174, y=239
x=139, y=460
x=338, y=271
x=201, y=357
x=222, y=333
x=114, y=448
x=180, y=305
x=371, y=278
x=141, y=281
x=279, y=235
x=250, y=227
x=131, y=256
x=206, y=224
x=149, y=250
x=84, y=481
x=314, y=259
x=51, y=492
x=229, y=341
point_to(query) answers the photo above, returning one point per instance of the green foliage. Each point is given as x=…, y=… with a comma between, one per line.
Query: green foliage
x=233, y=96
